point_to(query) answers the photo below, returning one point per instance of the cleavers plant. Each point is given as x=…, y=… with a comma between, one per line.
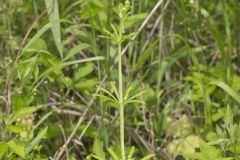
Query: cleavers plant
x=121, y=99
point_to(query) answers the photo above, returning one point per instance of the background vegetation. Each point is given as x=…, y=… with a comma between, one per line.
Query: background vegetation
x=173, y=95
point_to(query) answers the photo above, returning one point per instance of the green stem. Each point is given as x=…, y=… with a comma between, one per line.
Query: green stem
x=121, y=106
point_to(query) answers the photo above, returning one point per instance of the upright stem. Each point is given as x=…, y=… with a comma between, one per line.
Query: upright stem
x=121, y=107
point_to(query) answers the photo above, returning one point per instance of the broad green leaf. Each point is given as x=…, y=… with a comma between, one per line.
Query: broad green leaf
x=19, y=101
x=22, y=112
x=53, y=131
x=16, y=129
x=3, y=149
x=98, y=148
x=39, y=44
x=76, y=50
x=53, y=14
x=207, y=152
x=86, y=84
x=83, y=71
x=17, y=147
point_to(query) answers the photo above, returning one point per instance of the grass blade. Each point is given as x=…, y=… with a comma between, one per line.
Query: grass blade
x=227, y=89
x=39, y=34
x=36, y=140
x=76, y=50
x=53, y=15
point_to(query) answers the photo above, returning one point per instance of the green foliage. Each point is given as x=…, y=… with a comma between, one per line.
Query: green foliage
x=117, y=80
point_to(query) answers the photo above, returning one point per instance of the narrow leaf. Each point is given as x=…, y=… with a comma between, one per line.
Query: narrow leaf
x=107, y=92
x=148, y=157
x=53, y=15
x=3, y=149
x=39, y=34
x=111, y=152
x=43, y=119
x=36, y=140
x=76, y=50
x=227, y=89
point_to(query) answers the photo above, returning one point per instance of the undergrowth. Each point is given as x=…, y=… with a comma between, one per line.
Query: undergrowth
x=119, y=80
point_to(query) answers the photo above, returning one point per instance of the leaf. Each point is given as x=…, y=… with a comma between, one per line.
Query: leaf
x=114, y=89
x=227, y=89
x=76, y=50
x=98, y=158
x=43, y=119
x=143, y=57
x=36, y=140
x=61, y=65
x=26, y=67
x=111, y=152
x=39, y=34
x=128, y=36
x=134, y=19
x=229, y=116
x=132, y=150
x=148, y=156
x=98, y=148
x=207, y=152
x=107, y=92
x=17, y=148
x=129, y=89
x=3, y=149
x=19, y=101
x=86, y=84
x=53, y=15
x=83, y=71
x=105, y=97
x=22, y=112
x=134, y=101
x=39, y=44
x=16, y=129
x=112, y=37
x=137, y=95
x=115, y=31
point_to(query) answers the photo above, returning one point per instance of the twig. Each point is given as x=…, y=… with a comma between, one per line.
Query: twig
x=154, y=28
x=65, y=111
x=59, y=154
x=84, y=130
x=64, y=136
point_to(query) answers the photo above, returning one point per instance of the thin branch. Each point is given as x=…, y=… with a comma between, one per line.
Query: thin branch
x=59, y=154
